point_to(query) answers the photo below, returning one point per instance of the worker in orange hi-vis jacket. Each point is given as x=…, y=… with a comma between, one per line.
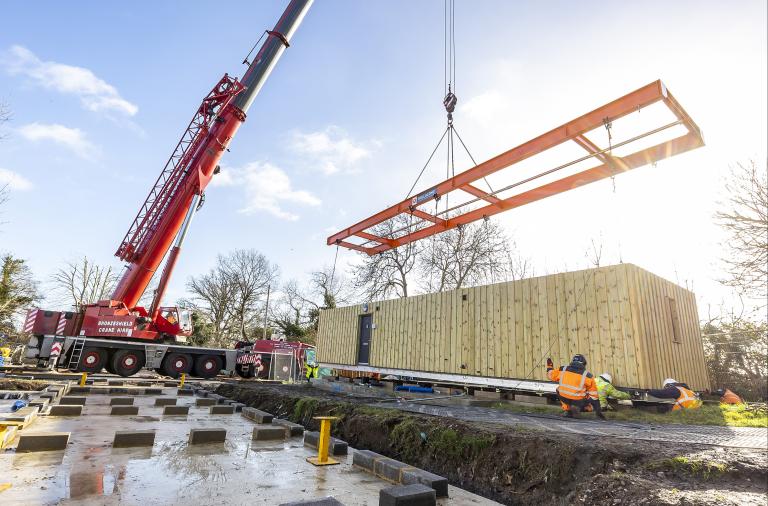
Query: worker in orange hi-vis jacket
x=576, y=387
x=728, y=397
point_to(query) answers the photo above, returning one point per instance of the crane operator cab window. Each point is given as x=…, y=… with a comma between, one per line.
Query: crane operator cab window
x=182, y=318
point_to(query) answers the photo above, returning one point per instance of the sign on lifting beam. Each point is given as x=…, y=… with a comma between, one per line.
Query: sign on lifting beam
x=674, y=132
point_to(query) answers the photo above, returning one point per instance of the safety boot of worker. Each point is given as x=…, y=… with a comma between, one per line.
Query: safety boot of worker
x=600, y=415
x=573, y=412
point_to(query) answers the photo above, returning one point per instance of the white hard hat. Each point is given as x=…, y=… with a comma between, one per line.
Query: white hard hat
x=669, y=380
x=607, y=377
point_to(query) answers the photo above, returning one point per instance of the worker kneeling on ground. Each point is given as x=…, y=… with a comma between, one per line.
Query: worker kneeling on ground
x=605, y=390
x=684, y=397
x=728, y=397
x=577, y=388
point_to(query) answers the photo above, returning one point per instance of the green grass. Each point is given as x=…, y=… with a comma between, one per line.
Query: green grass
x=699, y=468
x=741, y=415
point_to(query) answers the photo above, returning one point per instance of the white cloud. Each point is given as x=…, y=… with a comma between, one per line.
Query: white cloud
x=331, y=150
x=267, y=188
x=13, y=180
x=71, y=138
x=95, y=94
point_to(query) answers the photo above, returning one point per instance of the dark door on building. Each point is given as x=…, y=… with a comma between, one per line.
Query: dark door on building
x=364, y=343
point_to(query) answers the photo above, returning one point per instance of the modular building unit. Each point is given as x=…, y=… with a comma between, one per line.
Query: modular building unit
x=627, y=321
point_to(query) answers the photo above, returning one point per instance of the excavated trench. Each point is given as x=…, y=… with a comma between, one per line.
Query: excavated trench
x=524, y=466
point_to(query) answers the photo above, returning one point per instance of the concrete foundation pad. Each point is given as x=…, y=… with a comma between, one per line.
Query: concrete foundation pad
x=204, y=402
x=65, y=410
x=72, y=400
x=185, y=391
x=42, y=403
x=153, y=391
x=121, y=401
x=202, y=436
x=133, y=438
x=165, y=401
x=170, y=384
x=257, y=415
x=438, y=483
x=80, y=390
x=119, y=390
x=337, y=446
x=222, y=410
x=320, y=501
x=124, y=410
x=238, y=406
x=294, y=429
x=176, y=410
x=44, y=441
x=115, y=383
x=407, y=495
x=268, y=432
x=143, y=383
x=366, y=459
x=390, y=469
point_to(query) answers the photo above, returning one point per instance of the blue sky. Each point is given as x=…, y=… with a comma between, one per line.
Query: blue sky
x=352, y=110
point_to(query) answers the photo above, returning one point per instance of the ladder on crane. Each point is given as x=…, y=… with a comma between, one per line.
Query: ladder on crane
x=77, y=352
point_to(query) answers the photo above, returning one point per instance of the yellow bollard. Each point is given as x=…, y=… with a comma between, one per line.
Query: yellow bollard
x=82, y=379
x=183, y=377
x=324, y=443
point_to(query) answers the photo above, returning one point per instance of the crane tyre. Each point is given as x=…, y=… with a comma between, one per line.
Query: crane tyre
x=127, y=362
x=92, y=360
x=207, y=366
x=174, y=364
x=108, y=364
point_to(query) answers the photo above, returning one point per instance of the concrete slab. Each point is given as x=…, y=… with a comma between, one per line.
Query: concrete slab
x=124, y=410
x=153, y=391
x=294, y=429
x=257, y=416
x=170, y=384
x=407, y=495
x=65, y=410
x=268, y=432
x=320, y=501
x=121, y=401
x=41, y=442
x=337, y=446
x=238, y=406
x=133, y=438
x=438, y=483
x=202, y=436
x=176, y=410
x=390, y=469
x=222, y=410
x=184, y=391
x=165, y=401
x=120, y=390
x=80, y=390
x=204, y=402
x=72, y=400
x=91, y=472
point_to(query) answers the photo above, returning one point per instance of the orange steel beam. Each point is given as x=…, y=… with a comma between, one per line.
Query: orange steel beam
x=574, y=130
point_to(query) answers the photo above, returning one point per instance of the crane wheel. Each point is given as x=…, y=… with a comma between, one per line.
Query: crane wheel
x=207, y=366
x=92, y=360
x=174, y=364
x=127, y=362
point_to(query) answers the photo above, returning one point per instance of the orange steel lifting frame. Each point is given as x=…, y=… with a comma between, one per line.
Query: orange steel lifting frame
x=572, y=131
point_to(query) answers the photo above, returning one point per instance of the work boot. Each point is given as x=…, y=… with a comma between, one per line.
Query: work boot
x=600, y=415
x=574, y=411
x=568, y=414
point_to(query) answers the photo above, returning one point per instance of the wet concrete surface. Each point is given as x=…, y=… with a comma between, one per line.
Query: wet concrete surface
x=238, y=471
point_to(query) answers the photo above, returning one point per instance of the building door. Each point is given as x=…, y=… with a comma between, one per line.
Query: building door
x=364, y=343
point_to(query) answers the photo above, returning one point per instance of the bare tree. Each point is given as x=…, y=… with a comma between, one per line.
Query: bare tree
x=518, y=267
x=5, y=117
x=230, y=295
x=744, y=218
x=594, y=253
x=289, y=313
x=467, y=255
x=84, y=282
x=18, y=290
x=387, y=273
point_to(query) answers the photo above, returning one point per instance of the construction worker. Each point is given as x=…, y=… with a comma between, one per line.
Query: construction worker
x=684, y=397
x=728, y=397
x=605, y=389
x=311, y=365
x=577, y=389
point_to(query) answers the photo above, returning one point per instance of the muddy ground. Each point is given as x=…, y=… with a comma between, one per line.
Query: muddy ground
x=524, y=466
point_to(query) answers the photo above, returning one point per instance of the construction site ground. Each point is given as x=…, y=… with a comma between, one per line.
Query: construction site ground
x=172, y=471
x=517, y=458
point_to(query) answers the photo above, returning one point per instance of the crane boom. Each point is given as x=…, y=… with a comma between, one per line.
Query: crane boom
x=172, y=201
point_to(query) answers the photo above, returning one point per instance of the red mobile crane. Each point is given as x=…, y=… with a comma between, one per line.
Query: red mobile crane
x=88, y=338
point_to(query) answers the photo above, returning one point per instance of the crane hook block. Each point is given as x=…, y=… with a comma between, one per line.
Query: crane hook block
x=450, y=102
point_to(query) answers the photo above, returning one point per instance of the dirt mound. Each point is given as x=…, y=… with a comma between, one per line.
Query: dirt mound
x=524, y=466
x=22, y=384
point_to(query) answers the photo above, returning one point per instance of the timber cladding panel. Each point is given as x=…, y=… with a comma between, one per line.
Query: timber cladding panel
x=637, y=326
